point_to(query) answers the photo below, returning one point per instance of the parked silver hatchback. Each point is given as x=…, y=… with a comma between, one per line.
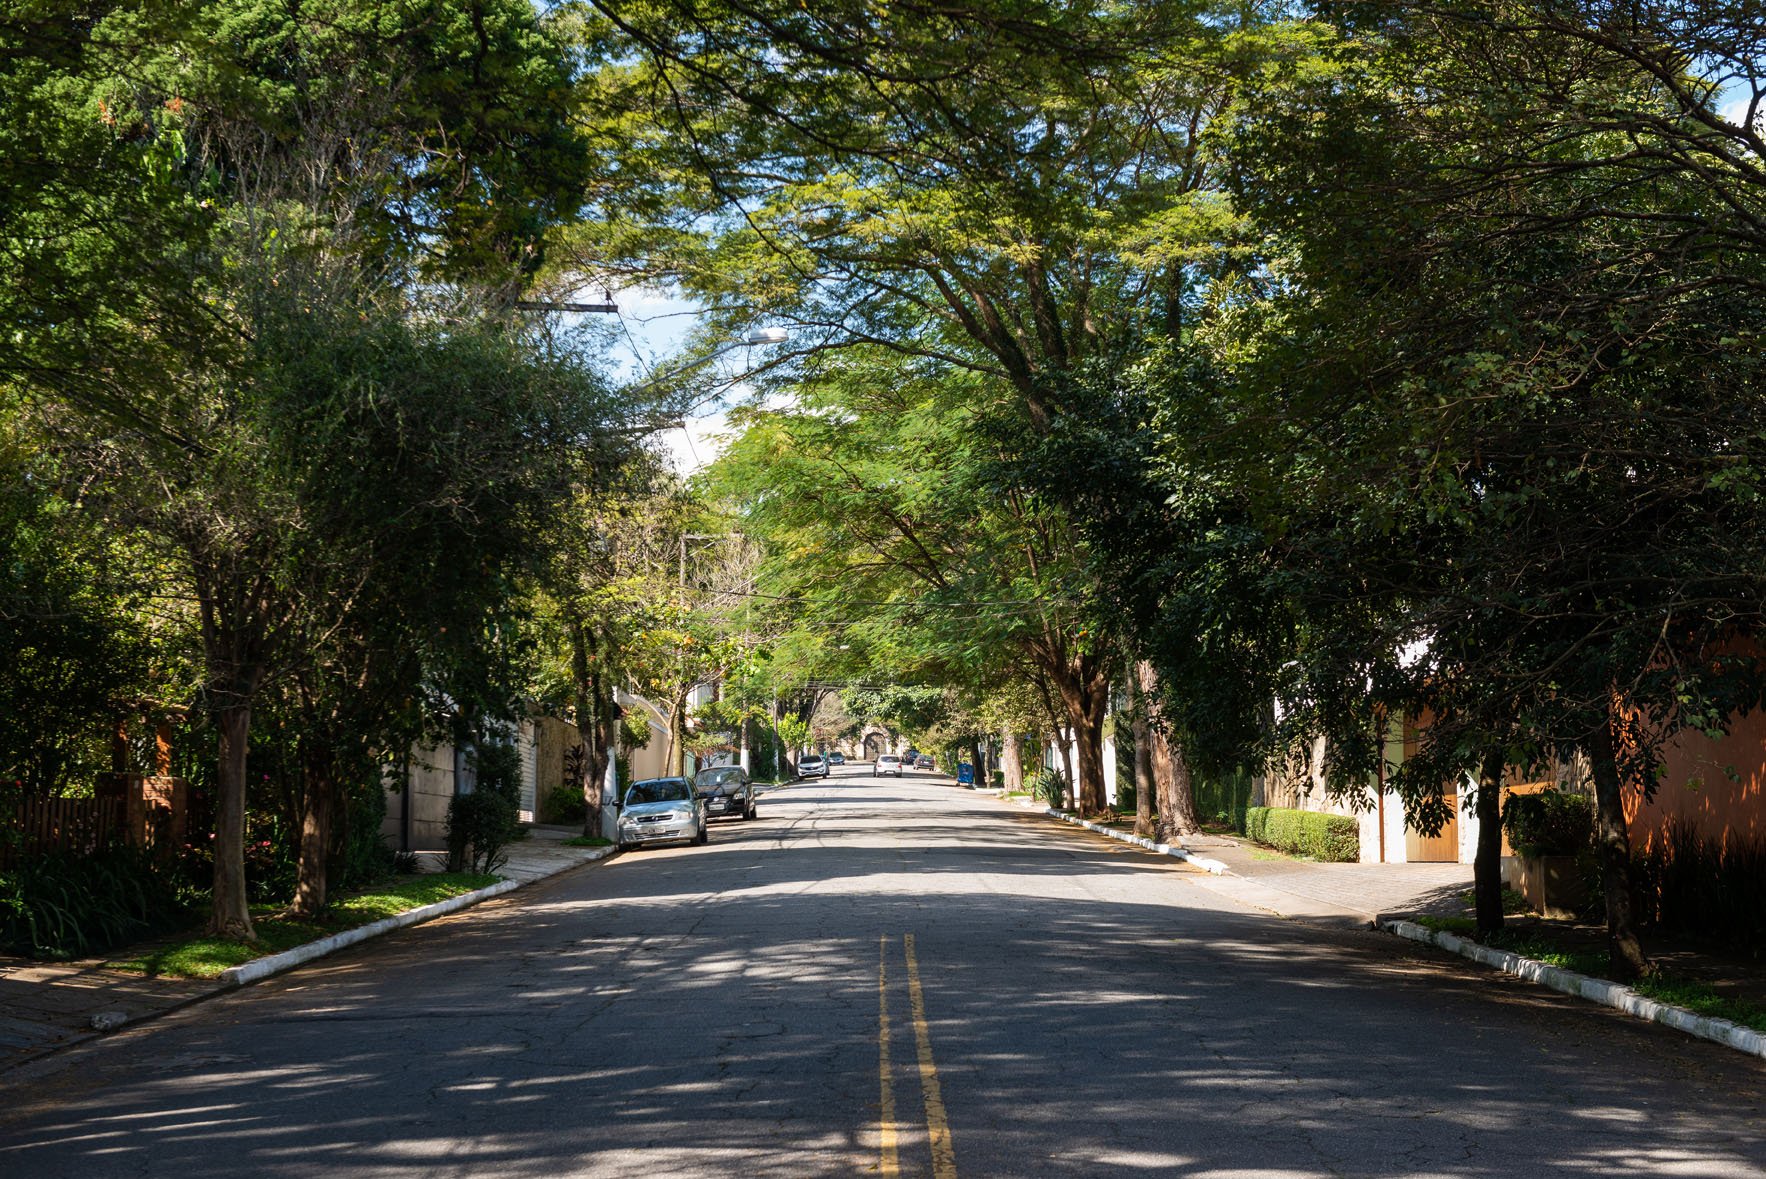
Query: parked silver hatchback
x=661, y=810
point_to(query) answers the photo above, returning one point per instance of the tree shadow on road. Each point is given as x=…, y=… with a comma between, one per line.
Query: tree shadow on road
x=715, y=1011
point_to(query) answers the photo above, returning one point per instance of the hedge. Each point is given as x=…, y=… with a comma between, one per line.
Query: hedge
x=1334, y=838
x=1549, y=823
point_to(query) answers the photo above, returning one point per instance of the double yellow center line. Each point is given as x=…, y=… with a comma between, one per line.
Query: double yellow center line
x=944, y=1159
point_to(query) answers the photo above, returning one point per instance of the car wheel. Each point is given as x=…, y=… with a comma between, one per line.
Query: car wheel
x=704, y=836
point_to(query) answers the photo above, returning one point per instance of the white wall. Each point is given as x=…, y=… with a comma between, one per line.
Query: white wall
x=1052, y=755
x=527, y=745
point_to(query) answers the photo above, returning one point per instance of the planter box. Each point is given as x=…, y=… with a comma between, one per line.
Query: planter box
x=1551, y=884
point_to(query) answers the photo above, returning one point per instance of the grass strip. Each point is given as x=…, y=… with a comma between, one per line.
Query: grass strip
x=1677, y=991
x=1701, y=999
x=202, y=956
x=588, y=841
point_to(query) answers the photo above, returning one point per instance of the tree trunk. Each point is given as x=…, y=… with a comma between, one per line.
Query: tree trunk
x=1487, y=861
x=605, y=757
x=231, y=913
x=676, y=762
x=1088, y=703
x=317, y=806
x=598, y=725
x=1613, y=845
x=1145, y=814
x=1011, y=762
x=1177, y=798
x=1091, y=769
x=1176, y=804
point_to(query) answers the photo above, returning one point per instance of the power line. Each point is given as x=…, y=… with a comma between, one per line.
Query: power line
x=976, y=603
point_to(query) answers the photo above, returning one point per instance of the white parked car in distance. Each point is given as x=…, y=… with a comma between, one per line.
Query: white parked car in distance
x=812, y=765
x=887, y=763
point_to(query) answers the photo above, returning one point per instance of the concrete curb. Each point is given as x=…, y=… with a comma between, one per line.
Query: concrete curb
x=1213, y=867
x=1597, y=990
x=261, y=968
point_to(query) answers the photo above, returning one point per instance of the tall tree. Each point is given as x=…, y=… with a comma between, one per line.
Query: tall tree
x=879, y=481
x=1488, y=414
x=411, y=141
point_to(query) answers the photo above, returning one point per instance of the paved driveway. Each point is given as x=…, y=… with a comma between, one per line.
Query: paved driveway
x=886, y=978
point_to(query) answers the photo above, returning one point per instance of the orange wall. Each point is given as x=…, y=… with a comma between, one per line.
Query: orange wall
x=1697, y=789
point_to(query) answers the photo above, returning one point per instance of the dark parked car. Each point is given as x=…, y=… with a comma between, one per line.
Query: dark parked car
x=726, y=792
x=922, y=761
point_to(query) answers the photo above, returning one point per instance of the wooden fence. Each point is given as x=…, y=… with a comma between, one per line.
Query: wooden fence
x=40, y=825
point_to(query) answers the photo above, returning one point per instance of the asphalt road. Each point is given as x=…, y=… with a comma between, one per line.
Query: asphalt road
x=1047, y=1003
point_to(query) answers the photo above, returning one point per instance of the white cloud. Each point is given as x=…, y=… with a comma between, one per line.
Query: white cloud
x=698, y=444
x=1735, y=110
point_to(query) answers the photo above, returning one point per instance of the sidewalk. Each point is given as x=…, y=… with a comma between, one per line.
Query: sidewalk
x=1359, y=894
x=46, y=1006
x=1342, y=895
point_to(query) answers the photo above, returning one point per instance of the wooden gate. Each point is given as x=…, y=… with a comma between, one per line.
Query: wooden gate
x=1435, y=849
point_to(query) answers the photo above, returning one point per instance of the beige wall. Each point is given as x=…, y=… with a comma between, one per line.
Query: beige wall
x=552, y=740
x=430, y=789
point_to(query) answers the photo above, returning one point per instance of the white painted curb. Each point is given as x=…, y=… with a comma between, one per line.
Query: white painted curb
x=264, y=967
x=1598, y=990
x=1213, y=867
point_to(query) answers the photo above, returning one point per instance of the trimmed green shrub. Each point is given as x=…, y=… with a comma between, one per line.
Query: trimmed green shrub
x=564, y=805
x=64, y=905
x=1333, y=838
x=1549, y=823
x=483, y=823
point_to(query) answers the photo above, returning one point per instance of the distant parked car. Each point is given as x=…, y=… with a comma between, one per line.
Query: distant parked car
x=661, y=810
x=887, y=763
x=811, y=765
x=923, y=762
x=836, y=759
x=726, y=792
